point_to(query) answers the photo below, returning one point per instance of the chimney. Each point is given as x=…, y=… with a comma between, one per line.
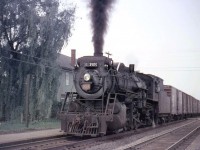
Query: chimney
x=73, y=57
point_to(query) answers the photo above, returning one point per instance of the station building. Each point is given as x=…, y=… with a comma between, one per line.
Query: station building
x=66, y=78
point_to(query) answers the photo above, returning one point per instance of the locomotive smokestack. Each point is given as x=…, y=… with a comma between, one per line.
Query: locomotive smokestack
x=99, y=16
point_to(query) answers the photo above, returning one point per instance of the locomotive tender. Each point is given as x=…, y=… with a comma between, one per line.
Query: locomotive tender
x=111, y=97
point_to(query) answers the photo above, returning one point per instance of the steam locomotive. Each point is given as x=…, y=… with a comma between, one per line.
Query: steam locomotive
x=111, y=97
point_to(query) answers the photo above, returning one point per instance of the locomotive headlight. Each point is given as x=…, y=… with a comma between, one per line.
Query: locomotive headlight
x=87, y=77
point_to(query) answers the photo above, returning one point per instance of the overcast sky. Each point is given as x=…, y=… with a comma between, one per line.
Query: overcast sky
x=161, y=37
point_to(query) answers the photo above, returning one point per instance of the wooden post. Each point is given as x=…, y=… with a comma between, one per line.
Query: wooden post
x=27, y=100
x=109, y=54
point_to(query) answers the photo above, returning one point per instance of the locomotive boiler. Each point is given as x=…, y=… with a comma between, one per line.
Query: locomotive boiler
x=109, y=97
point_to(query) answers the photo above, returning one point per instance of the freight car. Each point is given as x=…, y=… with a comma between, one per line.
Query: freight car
x=111, y=97
x=181, y=104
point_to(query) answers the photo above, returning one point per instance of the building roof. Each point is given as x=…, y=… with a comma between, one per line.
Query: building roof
x=64, y=62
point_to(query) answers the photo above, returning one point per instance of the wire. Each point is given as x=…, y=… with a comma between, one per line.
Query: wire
x=30, y=56
x=173, y=69
x=59, y=69
x=149, y=68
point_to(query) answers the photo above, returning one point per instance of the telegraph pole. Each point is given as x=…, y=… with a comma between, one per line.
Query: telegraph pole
x=109, y=54
x=27, y=100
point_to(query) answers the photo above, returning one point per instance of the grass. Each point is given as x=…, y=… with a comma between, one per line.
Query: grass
x=16, y=126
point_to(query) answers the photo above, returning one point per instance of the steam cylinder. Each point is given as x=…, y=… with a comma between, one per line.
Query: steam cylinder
x=119, y=120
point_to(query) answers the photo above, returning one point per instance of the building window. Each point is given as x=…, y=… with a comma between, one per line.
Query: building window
x=67, y=78
x=62, y=98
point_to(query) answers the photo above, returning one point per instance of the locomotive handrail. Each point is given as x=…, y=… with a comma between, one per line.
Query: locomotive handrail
x=64, y=103
x=150, y=99
x=98, y=99
x=108, y=100
x=127, y=91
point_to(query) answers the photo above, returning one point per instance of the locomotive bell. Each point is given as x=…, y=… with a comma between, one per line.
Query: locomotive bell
x=131, y=68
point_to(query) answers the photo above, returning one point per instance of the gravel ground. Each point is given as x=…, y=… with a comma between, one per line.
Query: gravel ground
x=113, y=144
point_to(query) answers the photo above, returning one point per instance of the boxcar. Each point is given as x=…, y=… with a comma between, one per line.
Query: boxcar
x=195, y=106
x=172, y=93
x=164, y=104
x=179, y=102
x=189, y=104
x=198, y=106
x=185, y=107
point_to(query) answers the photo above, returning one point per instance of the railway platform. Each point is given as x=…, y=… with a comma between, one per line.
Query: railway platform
x=30, y=135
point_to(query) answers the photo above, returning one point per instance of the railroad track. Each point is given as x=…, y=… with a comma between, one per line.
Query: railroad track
x=74, y=143
x=95, y=142
x=171, y=139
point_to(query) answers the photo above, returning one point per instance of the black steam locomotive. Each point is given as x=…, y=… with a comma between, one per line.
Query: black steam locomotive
x=110, y=97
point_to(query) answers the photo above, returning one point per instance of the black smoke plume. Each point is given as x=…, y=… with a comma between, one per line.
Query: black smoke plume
x=99, y=15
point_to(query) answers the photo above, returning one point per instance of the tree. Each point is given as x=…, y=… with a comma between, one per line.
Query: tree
x=32, y=33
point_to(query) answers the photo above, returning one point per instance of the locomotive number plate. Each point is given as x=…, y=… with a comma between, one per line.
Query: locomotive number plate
x=91, y=65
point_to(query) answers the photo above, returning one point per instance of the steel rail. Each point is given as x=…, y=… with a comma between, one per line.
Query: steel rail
x=178, y=143
x=72, y=142
x=152, y=137
x=101, y=140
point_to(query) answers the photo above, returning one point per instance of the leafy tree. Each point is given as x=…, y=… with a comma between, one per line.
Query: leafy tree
x=32, y=33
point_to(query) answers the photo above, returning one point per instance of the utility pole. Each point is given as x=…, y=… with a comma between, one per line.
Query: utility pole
x=27, y=100
x=109, y=54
